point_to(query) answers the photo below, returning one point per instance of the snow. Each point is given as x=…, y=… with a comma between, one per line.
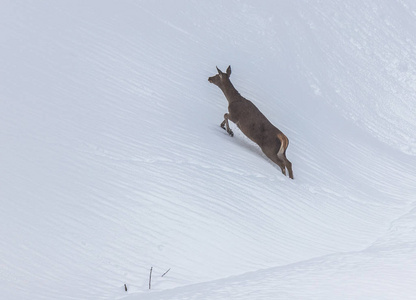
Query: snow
x=113, y=161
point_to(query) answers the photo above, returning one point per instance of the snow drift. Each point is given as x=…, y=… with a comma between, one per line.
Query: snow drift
x=113, y=161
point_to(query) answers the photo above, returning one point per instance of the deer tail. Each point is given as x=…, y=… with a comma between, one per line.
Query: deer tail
x=284, y=143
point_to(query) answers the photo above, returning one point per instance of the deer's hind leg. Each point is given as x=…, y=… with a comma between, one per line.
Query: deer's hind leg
x=281, y=154
x=281, y=164
x=272, y=155
x=224, y=125
x=286, y=164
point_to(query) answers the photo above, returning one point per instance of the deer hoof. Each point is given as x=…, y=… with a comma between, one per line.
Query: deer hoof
x=231, y=133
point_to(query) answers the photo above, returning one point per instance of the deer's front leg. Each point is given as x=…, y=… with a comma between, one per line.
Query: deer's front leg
x=224, y=125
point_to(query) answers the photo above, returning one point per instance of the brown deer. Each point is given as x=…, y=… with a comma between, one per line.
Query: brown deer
x=252, y=122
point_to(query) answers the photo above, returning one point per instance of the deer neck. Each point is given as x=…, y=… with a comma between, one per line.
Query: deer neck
x=230, y=92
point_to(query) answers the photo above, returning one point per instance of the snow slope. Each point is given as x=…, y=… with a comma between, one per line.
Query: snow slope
x=113, y=161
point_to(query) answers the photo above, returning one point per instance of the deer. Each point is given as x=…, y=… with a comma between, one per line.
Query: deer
x=252, y=123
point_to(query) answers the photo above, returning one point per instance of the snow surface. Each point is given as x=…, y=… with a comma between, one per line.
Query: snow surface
x=113, y=162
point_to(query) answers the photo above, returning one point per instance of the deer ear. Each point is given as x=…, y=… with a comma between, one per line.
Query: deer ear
x=219, y=71
x=229, y=71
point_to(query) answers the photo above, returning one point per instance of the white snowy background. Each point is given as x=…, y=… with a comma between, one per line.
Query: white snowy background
x=112, y=160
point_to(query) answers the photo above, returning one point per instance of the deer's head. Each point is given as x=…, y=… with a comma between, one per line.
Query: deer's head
x=221, y=77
